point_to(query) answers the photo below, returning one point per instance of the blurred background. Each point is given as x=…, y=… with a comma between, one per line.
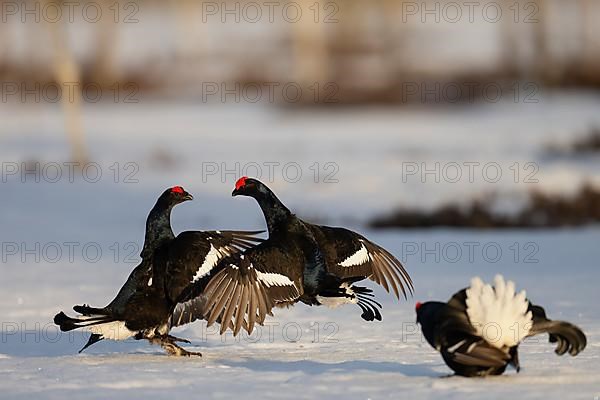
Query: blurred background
x=373, y=114
x=353, y=100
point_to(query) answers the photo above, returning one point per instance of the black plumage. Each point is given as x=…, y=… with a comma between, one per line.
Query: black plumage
x=448, y=328
x=191, y=261
x=160, y=292
x=304, y=262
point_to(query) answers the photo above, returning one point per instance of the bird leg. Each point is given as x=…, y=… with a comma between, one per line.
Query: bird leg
x=176, y=339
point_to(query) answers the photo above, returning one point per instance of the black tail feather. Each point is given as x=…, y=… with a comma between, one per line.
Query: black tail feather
x=368, y=305
x=365, y=291
x=94, y=338
x=67, y=323
x=569, y=338
x=87, y=310
x=367, y=314
x=514, y=358
x=369, y=300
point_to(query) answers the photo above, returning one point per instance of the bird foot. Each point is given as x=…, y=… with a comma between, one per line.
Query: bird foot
x=173, y=350
x=167, y=342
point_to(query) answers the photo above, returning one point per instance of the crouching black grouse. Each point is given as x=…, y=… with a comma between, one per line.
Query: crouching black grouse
x=298, y=262
x=143, y=308
x=479, y=330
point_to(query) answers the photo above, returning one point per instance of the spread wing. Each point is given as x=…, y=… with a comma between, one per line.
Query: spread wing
x=188, y=311
x=350, y=255
x=568, y=337
x=193, y=257
x=247, y=286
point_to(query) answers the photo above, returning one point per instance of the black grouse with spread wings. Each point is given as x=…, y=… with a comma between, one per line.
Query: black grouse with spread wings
x=299, y=262
x=160, y=292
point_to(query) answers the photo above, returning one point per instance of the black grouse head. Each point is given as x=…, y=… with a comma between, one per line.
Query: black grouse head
x=426, y=311
x=427, y=318
x=419, y=311
x=276, y=214
x=250, y=187
x=174, y=196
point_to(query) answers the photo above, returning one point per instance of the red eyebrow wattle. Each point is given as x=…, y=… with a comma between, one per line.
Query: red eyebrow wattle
x=240, y=182
x=177, y=189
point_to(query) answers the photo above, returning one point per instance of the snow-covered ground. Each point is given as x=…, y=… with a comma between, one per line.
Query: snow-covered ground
x=303, y=352
x=308, y=352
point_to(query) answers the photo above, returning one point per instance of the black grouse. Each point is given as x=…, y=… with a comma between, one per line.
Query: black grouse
x=298, y=262
x=144, y=307
x=479, y=330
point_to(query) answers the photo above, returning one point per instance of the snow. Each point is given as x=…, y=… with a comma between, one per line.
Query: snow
x=303, y=352
x=288, y=360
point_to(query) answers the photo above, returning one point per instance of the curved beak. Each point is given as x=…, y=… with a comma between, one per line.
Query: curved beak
x=188, y=196
x=235, y=192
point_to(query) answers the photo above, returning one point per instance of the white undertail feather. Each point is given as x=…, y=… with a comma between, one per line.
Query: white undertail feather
x=115, y=330
x=499, y=315
x=334, y=302
x=362, y=256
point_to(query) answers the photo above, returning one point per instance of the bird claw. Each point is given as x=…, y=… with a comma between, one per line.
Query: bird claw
x=191, y=353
